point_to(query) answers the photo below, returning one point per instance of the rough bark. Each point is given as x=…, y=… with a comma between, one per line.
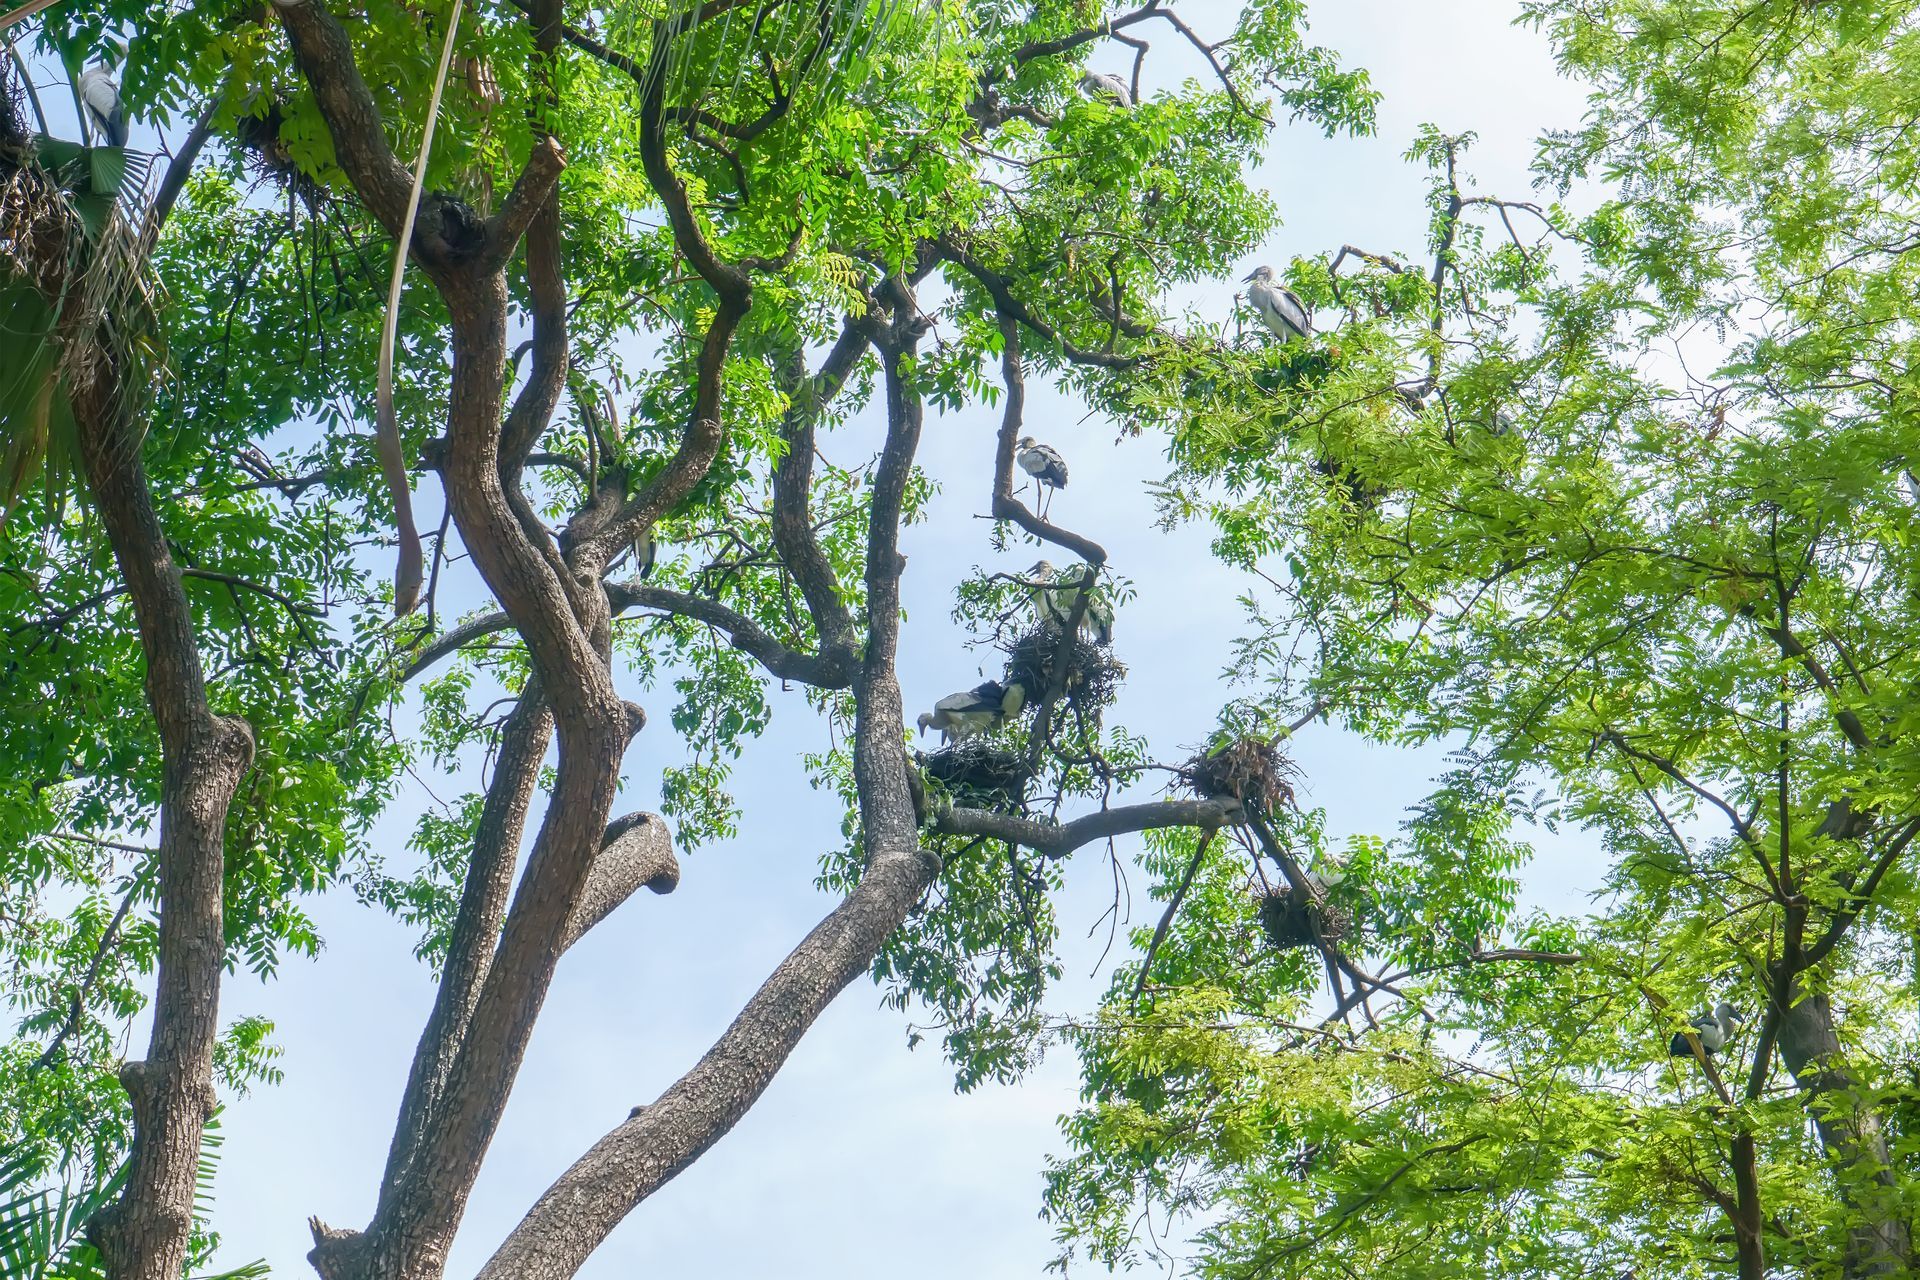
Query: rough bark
x=476, y=927
x=659, y=1140
x=638, y=854
x=143, y=1236
x=1853, y=1134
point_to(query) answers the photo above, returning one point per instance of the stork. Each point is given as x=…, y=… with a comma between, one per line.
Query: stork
x=1714, y=1030
x=1044, y=463
x=960, y=716
x=1278, y=307
x=1328, y=874
x=1095, y=83
x=100, y=98
x=646, y=551
x=1054, y=593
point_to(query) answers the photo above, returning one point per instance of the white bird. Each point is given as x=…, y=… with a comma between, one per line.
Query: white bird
x=1094, y=83
x=960, y=716
x=1044, y=463
x=1714, y=1030
x=100, y=97
x=645, y=553
x=1053, y=599
x=1278, y=307
x=1329, y=874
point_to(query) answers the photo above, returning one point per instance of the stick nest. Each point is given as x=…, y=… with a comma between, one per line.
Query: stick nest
x=980, y=776
x=1093, y=674
x=259, y=136
x=1250, y=770
x=1288, y=919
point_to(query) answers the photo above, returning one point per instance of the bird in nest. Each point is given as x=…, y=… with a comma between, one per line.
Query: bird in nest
x=1054, y=592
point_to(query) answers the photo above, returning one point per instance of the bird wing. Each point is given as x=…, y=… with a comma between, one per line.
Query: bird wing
x=1292, y=311
x=961, y=703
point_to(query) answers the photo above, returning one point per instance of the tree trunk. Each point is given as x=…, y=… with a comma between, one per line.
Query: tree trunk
x=1853, y=1134
x=144, y=1235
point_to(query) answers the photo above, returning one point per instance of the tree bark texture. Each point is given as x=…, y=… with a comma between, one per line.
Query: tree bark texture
x=1853, y=1134
x=143, y=1236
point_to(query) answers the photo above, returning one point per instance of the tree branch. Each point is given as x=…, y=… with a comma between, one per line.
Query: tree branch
x=637, y=854
x=1057, y=840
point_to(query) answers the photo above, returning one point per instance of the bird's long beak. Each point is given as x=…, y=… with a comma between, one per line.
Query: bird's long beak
x=1248, y=278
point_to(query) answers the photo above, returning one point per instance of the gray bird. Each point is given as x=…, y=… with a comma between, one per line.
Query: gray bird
x=1044, y=463
x=645, y=553
x=1095, y=83
x=1054, y=593
x=100, y=98
x=1714, y=1030
x=1278, y=307
x=960, y=716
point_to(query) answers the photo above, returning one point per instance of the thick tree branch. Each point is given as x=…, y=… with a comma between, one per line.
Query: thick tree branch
x=476, y=927
x=793, y=535
x=662, y=1138
x=637, y=854
x=143, y=1235
x=1058, y=839
x=1005, y=505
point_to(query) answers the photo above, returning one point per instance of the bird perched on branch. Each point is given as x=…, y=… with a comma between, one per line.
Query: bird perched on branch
x=1714, y=1030
x=1096, y=83
x=960, y=716
x=646, y=551
x=1054, y=593
x=1278, y=307
x=1044, y=463
x=100, y=98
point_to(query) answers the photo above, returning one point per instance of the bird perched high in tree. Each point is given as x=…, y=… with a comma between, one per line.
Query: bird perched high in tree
x=1044, y=463
x=960, y=716
x=1278, y=307
x=100, y=98
x=1054, y=594
x=1097, y=83
x=646, y=551
x=1714, y=1030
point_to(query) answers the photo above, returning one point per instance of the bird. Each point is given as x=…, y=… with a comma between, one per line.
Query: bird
x=1054, y=593
x=960, y=716
x=1278, y=307
x=1329, y=874
x=1044, y=463
x=1095, y=83
x=100, y=96
x=1714, y=1030
x=645, y=552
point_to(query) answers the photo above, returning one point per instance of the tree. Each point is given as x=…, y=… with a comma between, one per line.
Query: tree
x=1624, y=514
x=770, y=204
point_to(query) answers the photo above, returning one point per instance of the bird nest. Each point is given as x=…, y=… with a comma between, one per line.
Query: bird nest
x=1092, y=676
x=980, y=776
x=259, y=136
x=13, y=111
x=1250, y=770
x=1290, y=919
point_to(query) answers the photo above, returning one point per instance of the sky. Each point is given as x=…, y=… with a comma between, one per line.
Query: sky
x=861, y=1154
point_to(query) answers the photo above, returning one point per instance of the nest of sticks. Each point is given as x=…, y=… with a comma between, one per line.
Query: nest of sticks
x=259, y=136
x=1290, y=919
x=1093, y=674
x=1250, y=770
x=980, y=776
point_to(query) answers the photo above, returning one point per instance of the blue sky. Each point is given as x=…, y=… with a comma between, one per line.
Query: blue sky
x=861, y=1156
